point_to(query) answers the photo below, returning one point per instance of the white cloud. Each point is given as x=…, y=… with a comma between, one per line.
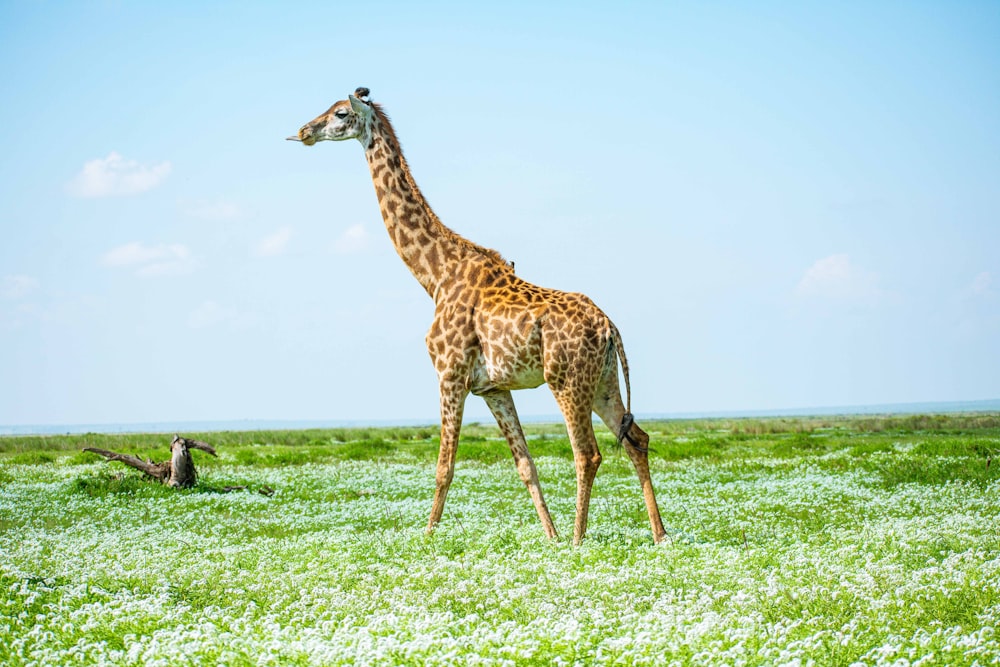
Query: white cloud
x=215, y=211
x=116, y=176
x=155, y=260
x=982, y=284
x=836, y=278
x=354, y=239
x=17, y=286
x=274, y=244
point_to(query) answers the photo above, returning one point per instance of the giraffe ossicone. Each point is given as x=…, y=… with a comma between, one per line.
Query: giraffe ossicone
x=494, y=332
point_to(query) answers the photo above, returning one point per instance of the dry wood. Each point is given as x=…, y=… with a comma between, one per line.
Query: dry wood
x=179, y=471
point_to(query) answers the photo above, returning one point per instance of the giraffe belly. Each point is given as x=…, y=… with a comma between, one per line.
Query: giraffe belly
x=499, y=369
x=510, y=350
x=486, y=376
x=522, y=377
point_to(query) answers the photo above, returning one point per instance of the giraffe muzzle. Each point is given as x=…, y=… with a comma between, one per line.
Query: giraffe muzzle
x=305, y=135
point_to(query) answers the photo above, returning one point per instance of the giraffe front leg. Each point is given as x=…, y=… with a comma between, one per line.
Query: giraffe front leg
x=452, y=406
x=502, y=406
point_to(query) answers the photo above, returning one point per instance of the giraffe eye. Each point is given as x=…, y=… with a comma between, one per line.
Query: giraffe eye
x=340, y=113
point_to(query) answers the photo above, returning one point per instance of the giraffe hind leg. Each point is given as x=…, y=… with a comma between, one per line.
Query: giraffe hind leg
x=609, y=407
x=586, y=455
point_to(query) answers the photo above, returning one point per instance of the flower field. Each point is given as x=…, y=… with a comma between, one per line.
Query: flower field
x=802, y=544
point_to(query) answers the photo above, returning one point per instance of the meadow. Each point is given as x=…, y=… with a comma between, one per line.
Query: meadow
x=827, y=541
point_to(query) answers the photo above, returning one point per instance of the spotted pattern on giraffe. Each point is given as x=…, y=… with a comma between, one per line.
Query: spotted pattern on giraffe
x=494, y=332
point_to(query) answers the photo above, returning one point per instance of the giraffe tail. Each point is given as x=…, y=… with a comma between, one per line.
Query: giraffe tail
x=628, y=418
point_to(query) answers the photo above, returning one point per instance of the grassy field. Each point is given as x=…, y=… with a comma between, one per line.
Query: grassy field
x=828, y=541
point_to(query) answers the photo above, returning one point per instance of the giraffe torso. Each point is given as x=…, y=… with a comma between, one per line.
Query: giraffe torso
x=513, y=334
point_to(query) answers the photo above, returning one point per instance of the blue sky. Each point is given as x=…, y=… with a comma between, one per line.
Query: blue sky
x=781, y=205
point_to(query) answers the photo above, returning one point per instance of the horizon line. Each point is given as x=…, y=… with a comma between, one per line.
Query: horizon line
x=254, y=424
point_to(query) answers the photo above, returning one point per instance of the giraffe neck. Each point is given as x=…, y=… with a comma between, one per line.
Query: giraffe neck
x=428, y=248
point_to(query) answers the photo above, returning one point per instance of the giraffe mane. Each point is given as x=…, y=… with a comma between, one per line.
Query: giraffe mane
x=390, y=134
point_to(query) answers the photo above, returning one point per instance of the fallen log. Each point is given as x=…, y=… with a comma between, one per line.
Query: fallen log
x=178, y=472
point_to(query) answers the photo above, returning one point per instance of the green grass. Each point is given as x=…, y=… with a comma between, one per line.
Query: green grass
x=826, y=541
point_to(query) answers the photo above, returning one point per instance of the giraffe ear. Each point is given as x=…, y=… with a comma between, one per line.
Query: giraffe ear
x=359, y=107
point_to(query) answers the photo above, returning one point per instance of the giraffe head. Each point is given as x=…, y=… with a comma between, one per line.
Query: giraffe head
x=347, y=119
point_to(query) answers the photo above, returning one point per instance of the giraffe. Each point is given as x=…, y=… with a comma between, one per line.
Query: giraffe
x=494, y=332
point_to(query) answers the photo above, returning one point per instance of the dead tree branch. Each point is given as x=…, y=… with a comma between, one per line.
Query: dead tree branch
x=179, y=471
